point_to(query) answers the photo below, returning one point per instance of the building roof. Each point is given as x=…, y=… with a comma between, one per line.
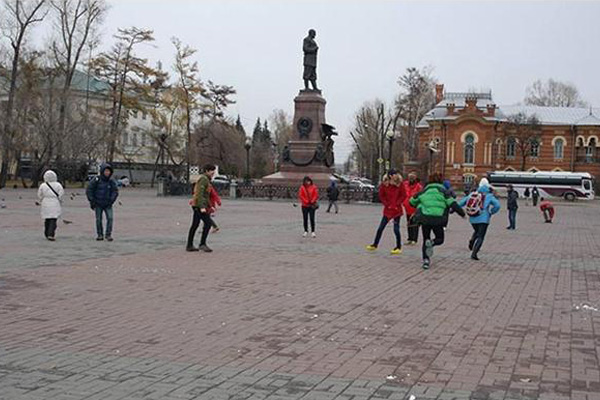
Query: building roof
x=546, y=115
x=79, y=83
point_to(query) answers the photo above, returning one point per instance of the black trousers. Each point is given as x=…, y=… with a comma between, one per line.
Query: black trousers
x=306, y=213
x=196, y=218
x=413, y=229
x=438, y=231
x=49, y=227
x=479, y=231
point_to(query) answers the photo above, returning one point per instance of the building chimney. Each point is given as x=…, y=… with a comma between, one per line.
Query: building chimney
x=450, y=107
x=471, y=102
x=439, y=93
x=491, y=109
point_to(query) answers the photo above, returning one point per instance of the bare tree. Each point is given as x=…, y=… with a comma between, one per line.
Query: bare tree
x=20, y=16
x=189, y=89
x=525, y=131
x=76, y=23
x=553, y=94
x=417, y=97
x=130, y=78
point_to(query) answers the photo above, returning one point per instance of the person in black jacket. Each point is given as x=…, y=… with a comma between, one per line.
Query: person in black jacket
x=333, y=193
x=102, y=193
x=512, y=206
x=535, y=195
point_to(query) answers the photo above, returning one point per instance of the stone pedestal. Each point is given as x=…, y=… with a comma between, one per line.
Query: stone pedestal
x=301, y=158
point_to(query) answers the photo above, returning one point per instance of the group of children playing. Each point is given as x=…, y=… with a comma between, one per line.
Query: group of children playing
x=427, y=207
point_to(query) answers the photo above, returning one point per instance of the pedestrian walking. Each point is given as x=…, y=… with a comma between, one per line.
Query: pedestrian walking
x=479, y=206
x=535, y=195
x=411, y=187
x=333, y=193
x=449, y=190
x=527, y=193
x=50, y=195
x=102, y=192
x=308, y=194
x=512, y=205
x=392, y=196
x=201, y=210
x=433, y=205
x=547, y=209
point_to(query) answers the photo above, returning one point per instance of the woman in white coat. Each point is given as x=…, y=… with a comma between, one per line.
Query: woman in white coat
x=50, y=195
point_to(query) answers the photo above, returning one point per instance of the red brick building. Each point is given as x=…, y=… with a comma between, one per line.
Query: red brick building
x=468, y=135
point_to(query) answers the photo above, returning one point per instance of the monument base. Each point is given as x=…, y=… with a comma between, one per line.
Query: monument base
x=294, y=178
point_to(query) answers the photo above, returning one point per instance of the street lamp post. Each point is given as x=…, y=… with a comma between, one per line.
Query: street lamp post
x=390, y=138
x=248, y=146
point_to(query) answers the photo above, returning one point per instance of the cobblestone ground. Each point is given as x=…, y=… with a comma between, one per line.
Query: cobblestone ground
x=270, y=315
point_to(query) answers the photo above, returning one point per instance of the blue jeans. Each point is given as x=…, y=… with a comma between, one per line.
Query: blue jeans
x=512, y=219
x=109, y=220
x=382, y=225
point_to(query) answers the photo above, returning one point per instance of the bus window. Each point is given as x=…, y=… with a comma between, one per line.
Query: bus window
x=587, y=185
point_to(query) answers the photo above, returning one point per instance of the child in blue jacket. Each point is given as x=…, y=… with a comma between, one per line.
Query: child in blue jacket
x=481, y=221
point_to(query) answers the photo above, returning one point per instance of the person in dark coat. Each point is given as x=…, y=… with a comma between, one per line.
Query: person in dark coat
x=102, y=193
x=512, y=206
x=333, y=193
x=535, y=195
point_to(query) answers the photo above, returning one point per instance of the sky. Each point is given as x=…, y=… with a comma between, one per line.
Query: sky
x=364, y=46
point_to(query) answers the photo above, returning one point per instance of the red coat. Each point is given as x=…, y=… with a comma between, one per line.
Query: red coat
x=410, y=191
x=546, y=205
x=392, y=197
x=308, y=195
x=213, y=200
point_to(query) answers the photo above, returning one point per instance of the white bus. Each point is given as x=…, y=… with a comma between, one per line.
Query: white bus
x=568, y=185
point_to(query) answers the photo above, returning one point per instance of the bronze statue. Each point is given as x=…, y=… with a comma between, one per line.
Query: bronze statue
x=310, y=49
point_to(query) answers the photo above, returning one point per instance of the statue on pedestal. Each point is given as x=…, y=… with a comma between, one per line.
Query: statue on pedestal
x=310, y=49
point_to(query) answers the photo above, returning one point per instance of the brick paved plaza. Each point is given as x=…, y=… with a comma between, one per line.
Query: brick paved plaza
x=270, y=315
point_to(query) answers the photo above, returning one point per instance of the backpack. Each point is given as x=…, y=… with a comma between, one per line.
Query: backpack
x=474, y=205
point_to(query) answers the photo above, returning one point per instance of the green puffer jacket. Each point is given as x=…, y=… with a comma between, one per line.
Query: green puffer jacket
x=433, y=204
x=202, y=192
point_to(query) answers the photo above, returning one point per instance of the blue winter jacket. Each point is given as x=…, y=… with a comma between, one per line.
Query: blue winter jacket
x=102, y=191
x=491, y=206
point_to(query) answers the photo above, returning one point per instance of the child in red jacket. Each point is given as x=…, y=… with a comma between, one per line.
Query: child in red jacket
x=547, y=209
x=392, y=194
x=411, y=187
x=308, y=194
x=214, y=201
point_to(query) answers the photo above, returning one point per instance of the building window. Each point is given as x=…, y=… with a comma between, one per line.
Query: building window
x=143, y=139
x=559, y=145
x=135, y=114
x=125, y=139
x=469, y=149
x=134, y=141
x=534, y=150
x=144, y=115
x=590, y=150
x=511, y=148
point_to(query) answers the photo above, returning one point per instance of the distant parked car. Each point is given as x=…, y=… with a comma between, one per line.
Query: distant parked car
x=221, y=181
x=360, y=184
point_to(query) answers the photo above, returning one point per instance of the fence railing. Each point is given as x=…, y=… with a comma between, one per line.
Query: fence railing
x=348, y=194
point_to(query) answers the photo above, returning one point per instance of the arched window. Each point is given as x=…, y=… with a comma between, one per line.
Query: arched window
x=511, y=148
x=469, y=149
x=559, y=146
x=590, y=150
x=534, y=150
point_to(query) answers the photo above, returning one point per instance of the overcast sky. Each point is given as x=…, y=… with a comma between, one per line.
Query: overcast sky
x=256, y=46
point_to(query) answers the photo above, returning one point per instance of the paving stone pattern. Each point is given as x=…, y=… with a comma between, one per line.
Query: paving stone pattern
x=270, y=315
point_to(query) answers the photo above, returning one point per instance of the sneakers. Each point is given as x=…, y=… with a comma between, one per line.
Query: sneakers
x=313, y=235
x=305, y=234
x=205, y=249
x=51, y=238
x=371, y=247
x=396, y=252
x=100, y=238
x=109, y=238
x=426, y=263
x=192, y=249
x=471, y=244
x=215, y=229
x=474, y=257
x=429, y=248
x=410, y=243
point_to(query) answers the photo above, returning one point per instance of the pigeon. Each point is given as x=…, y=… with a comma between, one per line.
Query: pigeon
x=37, y=203
x=67, y=222
x=120, y=203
